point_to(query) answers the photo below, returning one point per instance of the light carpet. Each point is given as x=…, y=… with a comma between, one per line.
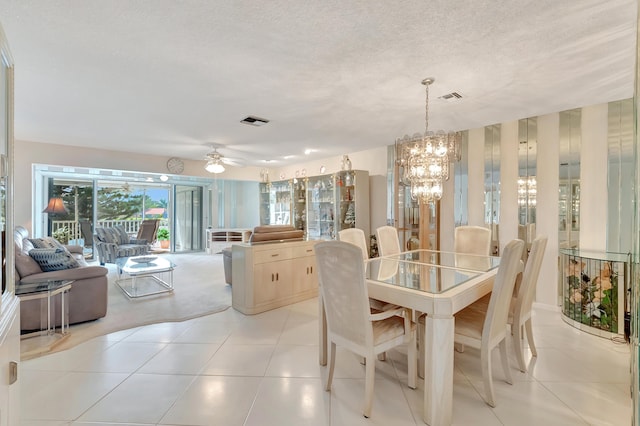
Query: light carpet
x=199, y=289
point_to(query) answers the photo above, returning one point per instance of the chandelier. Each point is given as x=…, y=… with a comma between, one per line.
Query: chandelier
x=527, y=191
x=425, y=158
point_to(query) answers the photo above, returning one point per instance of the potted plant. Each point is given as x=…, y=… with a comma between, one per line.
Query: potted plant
x=163, y=237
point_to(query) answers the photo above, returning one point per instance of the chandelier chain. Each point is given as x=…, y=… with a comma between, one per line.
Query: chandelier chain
x=426, y=110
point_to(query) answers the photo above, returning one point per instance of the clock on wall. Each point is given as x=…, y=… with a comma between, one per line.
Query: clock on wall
x=175, y=165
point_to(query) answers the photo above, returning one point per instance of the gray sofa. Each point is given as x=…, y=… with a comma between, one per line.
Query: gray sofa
x=111, y=243
x=87, y=298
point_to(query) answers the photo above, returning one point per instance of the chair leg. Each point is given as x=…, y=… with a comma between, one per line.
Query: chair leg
x=369, y=380
x=485, y=359
x=505, y=361
x=420, y=349
x=516, y=330
x=412, y=361
x=332, y=364
x=529, y=329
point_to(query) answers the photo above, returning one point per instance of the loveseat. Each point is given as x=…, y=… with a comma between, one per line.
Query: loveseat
x=113, y=242
x=87, y=299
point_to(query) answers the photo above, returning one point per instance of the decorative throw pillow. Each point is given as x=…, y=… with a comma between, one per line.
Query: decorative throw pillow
x=53, y=259
x=46, y=242
x=25, y=265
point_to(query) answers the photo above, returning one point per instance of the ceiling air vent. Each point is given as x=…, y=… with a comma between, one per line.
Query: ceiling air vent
x=254, y=121
x=452, y=95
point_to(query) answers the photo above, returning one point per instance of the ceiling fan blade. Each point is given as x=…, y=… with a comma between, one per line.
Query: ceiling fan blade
x=232, y=162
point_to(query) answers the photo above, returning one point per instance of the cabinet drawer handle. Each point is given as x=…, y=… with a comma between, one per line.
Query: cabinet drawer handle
x=309, y=250
x=272, y=277
x=275, y=255
x=277, y=276
x=311, y=269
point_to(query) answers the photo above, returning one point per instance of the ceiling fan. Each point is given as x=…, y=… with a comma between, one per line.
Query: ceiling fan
x=216, y=161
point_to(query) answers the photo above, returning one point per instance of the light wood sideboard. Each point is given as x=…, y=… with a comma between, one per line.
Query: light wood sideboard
x=268, y=276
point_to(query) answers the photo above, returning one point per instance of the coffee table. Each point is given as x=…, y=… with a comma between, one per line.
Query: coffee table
x=140, y=276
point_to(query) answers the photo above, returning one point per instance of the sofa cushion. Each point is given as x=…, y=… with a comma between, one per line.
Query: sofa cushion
x=46, y=242
x=53, y=259
x=26, y=265
x=107, y=235
x=123, y=237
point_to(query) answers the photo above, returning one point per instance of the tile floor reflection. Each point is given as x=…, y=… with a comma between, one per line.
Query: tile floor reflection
x=232, y=369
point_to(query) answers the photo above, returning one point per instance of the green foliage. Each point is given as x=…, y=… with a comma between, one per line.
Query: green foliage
x=163, y=234
x=62, y=235
x=114, y=203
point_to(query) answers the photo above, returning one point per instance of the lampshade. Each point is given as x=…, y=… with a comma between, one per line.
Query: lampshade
x=55, y=206
x=214, y=166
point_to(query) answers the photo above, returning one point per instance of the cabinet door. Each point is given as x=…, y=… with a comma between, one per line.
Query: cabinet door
x=305, y=276
x=271, y=281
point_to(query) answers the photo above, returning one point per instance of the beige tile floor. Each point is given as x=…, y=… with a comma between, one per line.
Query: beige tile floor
x=231, y=369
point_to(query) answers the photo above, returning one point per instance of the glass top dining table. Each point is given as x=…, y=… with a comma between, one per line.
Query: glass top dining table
x=429, y=271
x=438, y=284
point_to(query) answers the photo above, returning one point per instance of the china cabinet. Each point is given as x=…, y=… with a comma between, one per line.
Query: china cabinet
x=300, y=203
x=337, y=202
x=321, y=207
x=276, y=203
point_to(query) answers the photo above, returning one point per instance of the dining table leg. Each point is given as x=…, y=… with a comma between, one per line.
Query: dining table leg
x=322, y=331
x=438, y=370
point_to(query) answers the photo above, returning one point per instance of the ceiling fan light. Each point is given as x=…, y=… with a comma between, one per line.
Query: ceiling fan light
x=214, y=166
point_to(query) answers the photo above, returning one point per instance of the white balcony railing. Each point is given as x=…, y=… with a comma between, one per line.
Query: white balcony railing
x=74, y=232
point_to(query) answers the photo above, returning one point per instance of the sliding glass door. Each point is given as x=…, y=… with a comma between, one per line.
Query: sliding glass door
x=188, y=218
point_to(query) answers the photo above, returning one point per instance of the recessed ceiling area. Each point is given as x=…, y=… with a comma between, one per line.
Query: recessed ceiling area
x=169, y=77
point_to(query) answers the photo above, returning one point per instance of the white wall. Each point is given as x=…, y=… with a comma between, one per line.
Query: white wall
x=593, y=185
x=508, y=182
x=594, y=162
x=29, y=153
x=475, y=192
x=548, y=166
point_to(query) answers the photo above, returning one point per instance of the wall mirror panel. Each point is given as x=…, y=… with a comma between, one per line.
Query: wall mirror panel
x=461, y=183
x=620, y=176
x=492, y=183
x=569, y=174
x=527, y=185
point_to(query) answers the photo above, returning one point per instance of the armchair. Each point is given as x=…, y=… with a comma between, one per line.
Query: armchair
x=114, y=242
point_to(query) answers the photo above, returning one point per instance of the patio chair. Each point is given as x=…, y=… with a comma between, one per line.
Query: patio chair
x=149, y=230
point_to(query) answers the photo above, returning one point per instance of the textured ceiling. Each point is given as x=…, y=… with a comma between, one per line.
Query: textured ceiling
x=173, y=77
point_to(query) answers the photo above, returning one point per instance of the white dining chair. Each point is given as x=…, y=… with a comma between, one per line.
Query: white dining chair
x=388, y=241
x=485, y=331
x=472, y=240
x=350, y=321
x=521, y=304
x=356, y=237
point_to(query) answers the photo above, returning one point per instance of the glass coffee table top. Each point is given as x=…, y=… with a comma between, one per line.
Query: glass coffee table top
x=147, y=275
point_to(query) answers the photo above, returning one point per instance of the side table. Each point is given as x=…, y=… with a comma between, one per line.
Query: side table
x=45, y=291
